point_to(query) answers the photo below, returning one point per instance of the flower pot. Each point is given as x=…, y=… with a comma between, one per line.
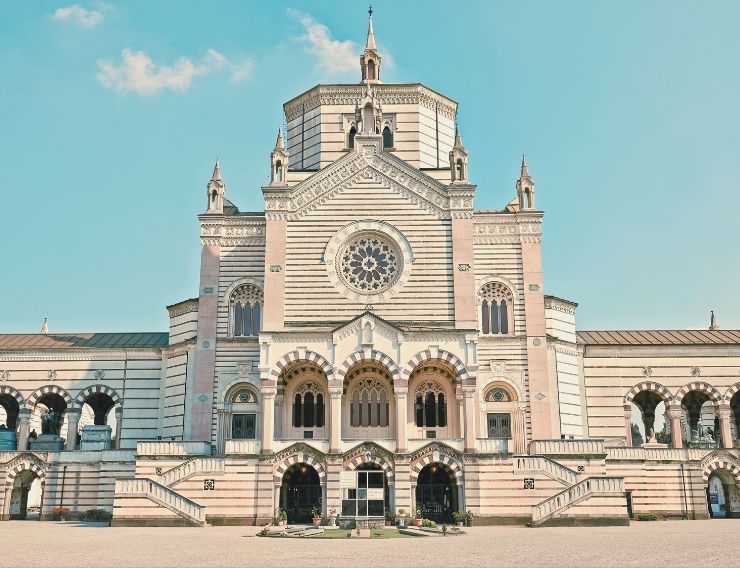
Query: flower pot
x=316, y=521
x=459, y=523
x=417, y=522
x=283, y=522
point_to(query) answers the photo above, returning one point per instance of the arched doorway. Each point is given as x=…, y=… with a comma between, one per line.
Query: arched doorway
x=9, y=409
x=25, y=496
x=721, y=493
x=436, y=493
x=300, y=493
x=648, y=420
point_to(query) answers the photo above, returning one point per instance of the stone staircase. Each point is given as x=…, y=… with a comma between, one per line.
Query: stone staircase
x=191, y=467
x=161, y=492
x=585, y=489
x=526, y=465
x=163, y=496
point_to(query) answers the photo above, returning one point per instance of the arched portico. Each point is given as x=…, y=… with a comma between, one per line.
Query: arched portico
x=23, y=472
x=641, y=404
x=96, y=403
x=300, y=485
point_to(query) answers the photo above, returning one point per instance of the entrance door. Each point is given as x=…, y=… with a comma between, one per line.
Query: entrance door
x=301, y=493
x=436, y=495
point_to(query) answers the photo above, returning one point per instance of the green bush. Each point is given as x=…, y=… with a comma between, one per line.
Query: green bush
x=96, y=515
x=646, y=517
x=429, y=524
x=459, y=516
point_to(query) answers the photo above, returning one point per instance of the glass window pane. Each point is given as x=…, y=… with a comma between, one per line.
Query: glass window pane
x=494, y=318
x=375, y=508
x=349, y=508
x=375, y=479
x=362, y=479
x=504, y=317
x=485, y=317
x=297, y=411
x=308, y=410
x=247, y=320
x=237, y=319
x=442, y=410
x=430, y=411
x=256, y=322
x=419, y=412
x=362, y=508
x=319, y=410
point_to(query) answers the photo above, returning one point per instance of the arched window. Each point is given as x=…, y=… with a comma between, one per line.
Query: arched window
x=430, y=407
x=459, y=170
x=496, y=305
x=352, y=134
x=214, y=200
x=387, y=138
x=278, y=171
x=246, y=310
x=371, y=70
x=244, y=411
x=308, y=406
x=369, y=403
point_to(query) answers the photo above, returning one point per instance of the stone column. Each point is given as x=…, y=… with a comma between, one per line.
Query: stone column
x=518, y=431
x=276, y=498
x=268, y=418
x=119, y=426
x=73, y=421
x=222, y=433
x=469, y=407
x=460, y=426
x=674, y=414
x=335, y=420
x=628, y=425
x=724, y=414
x=401, y=411
x=23, y=416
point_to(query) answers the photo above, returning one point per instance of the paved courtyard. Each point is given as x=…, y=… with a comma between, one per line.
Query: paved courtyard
x=673, y=543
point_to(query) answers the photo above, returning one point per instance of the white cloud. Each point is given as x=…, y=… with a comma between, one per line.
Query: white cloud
x=332, y=55
x=78, y=15
x=138, y=73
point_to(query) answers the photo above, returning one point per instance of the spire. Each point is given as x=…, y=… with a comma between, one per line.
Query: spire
x=458, y=138
x=216, y=172
x=525, y=187
x=713, y=325
x=525, y=172
x=45, y=327
x=279, y=141
x=370, y=35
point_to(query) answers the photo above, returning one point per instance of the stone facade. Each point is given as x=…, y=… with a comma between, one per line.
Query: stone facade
x=371, y=327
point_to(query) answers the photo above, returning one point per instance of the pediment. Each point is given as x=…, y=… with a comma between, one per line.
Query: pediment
x=355, y=326
x=368, y=163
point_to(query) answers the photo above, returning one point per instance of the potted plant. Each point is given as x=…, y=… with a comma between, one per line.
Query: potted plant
x=316, y=516
x=469, y=518
x=459, y=517
x=389, y=517
x=402, y=517
x=419, y=518
x=332, y=517
x=281, y=516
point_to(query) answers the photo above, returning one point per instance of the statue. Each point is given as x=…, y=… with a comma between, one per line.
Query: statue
x=651, y=436
x=50, y=422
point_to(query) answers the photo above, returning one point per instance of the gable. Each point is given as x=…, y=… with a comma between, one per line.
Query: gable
x=367, y=164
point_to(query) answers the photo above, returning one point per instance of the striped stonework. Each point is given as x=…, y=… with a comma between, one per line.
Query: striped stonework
x=96, y=389
x=700, y=386
x=721, y=460
x=277, y=477
x=734, y=389
x=436, y=354
x=310, y=356
x=650, y=386
x=364, y=356
x=436, y=457
x=25, y=463
x=356, y=462
x=5, y=389
x=49, y=389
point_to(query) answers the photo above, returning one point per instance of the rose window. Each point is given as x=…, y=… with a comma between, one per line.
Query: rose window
x=369, y=264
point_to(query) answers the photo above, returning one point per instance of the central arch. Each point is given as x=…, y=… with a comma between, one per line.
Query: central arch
x=301, y=493
x=437, y=494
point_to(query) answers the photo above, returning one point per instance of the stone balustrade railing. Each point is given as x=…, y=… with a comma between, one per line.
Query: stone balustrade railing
x=172, y=448
x=661, y=454
x=193, y=466
x=566, y=447
x=575, y=494
x=242, y=447
x=492, y=445
x=553, y=469
x=164, y=496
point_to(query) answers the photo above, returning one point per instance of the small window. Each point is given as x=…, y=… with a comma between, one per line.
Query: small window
x=246, y=307
x=244, y=426
x=352, y=134
x=244, y=396
x=496, y=309
x=371, y=70
x=499, y=425
x=387, y=138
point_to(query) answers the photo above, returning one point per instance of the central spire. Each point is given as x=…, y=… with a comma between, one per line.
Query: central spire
x=370, y=44
x=370, y=58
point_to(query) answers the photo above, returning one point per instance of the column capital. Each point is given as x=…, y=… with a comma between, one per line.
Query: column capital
x=674, y=413
x=335, y=393
x=24, y=413
x=73, y=413
x=268, y=392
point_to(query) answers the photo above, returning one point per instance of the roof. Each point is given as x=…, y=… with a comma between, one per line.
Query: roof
x=660, y=337
x=83, y=340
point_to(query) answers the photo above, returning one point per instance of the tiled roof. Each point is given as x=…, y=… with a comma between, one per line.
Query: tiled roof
x=83, y=340
x=661, y=337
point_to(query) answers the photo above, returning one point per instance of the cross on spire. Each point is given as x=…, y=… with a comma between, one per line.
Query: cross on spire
x=370, y=11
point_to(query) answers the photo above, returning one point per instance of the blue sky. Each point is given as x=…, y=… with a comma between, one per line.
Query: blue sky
x=112, y=115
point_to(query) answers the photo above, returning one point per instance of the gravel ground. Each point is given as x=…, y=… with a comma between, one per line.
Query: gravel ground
x=670, y=543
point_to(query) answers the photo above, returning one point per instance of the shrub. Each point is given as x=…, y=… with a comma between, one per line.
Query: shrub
x=96, y=515
x=459, y=516
x=646, y=517
x=429, y=524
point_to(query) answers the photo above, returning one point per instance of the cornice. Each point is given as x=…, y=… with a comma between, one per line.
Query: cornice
x=72, y=354
x=232, y=231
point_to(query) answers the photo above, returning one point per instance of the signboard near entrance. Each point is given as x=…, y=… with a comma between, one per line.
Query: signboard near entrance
x=348, y=480
x=714, y=497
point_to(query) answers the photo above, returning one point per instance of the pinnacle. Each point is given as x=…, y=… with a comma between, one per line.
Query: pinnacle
x=216, y=172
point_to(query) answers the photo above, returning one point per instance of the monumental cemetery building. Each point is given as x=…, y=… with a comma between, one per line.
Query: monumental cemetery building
x=371, y=344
